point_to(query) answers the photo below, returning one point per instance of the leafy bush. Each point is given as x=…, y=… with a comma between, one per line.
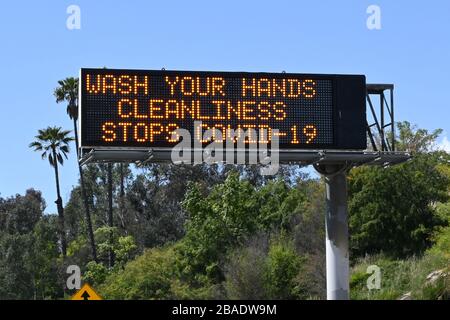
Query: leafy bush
x=244, y=270
x=95, y=273
x=154, y=275
x=281, y=269
x=266, y=269
x=149, y=276
x=442, y=246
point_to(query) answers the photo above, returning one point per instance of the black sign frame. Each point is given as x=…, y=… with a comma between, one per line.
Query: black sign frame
x=349, y=106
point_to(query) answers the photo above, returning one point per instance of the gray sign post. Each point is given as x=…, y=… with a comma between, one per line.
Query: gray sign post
x=336, y=226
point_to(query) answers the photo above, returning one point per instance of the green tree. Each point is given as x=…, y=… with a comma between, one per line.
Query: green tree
x=67, y=90
x=393, y=210
x=232, y=212
x=413, y=139
x=20, y=214
x=15, y=276
x=46, y=265
x=29, y=255
x=53, y=142
x=217, y=223
x=109, y=240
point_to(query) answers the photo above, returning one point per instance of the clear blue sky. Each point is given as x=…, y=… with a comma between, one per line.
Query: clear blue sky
x=412, y=50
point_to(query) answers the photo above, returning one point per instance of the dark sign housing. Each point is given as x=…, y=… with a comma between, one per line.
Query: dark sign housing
x=142, y=108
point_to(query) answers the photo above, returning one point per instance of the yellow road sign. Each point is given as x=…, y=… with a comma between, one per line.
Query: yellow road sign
x=86, y=293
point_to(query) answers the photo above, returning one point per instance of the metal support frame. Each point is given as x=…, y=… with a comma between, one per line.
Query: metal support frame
x=303, y=157
x=382, y=118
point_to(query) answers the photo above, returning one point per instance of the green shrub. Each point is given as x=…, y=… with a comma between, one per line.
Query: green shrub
x=244, y=270
x=271, y=269
x=95, y=273
x=442, y=245
x=281, y=269
x=149, y=276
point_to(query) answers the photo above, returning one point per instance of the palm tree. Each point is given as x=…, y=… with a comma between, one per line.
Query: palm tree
x=68, y=91
x=54, y=144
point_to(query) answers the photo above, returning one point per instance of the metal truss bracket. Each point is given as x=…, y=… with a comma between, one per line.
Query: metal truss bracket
x=382, y=116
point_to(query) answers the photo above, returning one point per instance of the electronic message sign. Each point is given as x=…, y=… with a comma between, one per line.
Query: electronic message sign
x=142, y=108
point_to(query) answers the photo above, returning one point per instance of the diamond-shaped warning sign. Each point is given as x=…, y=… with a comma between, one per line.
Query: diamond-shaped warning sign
x=86, y=293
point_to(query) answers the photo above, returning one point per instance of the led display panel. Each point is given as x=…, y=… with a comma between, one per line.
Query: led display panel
x=143, y=108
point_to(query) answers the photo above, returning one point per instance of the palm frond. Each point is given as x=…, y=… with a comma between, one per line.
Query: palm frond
x=36, y=145
x=64, y=150
x=65, y=132
x=60, y=158
x=51, y=160
x=68, y=140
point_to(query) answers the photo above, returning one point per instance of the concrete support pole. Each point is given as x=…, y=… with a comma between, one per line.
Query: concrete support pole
x=337, y=237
